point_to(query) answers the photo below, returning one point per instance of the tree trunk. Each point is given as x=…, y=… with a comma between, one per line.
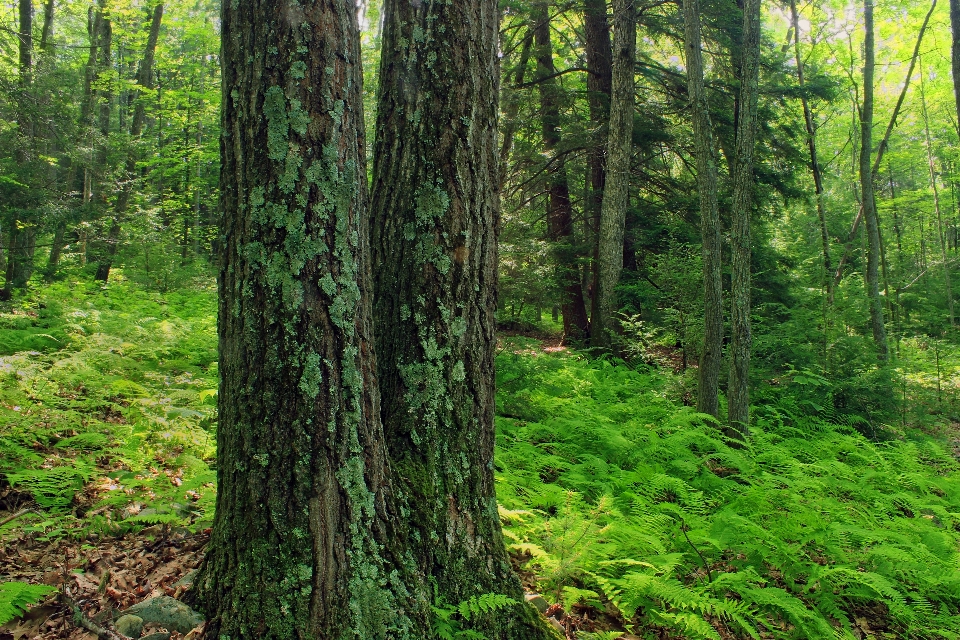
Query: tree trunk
x=302, y=545
x=435, y=207
x=559, y=212
x=22, y=236
x=599, y=54
x=866, y=189
x=144, y=80
x=738, y=389
x=513, y=108
x=616, y=196
x=706, y=152
x=814, y=157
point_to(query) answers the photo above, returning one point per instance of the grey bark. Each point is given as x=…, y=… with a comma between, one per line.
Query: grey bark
x=435, y=208
x=867, y=192
x=738, y=390
x=616, y=193
x=303, y=544
x=706, y=152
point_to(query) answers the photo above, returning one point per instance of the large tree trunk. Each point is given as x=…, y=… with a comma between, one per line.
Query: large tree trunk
x=738, y=390
x=711, y=353
x=616, y=196
x=866, y=190
x=559, y=212
x=302, y=545
x=145, y=81
x=435, y=207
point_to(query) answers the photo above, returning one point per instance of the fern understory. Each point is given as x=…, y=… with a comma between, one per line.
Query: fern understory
x=621, y=500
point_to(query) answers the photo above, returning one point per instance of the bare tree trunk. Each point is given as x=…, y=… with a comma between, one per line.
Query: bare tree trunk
x=513, y=108
x=616, y=193
x=559, y=211
x=706, y=152
x=144, y=80
x=867, y=193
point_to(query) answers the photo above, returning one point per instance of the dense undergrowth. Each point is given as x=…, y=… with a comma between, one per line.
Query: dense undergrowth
x=617, y=497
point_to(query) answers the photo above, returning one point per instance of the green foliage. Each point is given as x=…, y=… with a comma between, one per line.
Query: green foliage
x=117, y=419
x=448, y=620
x=608, y=487
x=16, y=597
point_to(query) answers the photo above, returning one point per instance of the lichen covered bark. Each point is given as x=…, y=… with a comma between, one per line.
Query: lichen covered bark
x=435, y=205
x=303, y=543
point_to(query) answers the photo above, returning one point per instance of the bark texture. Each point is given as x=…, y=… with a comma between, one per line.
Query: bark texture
x=738, y=390
x=867, y=192
x=302, y=545
x=706, y=152
x=435, y=205
x=559, y=211
x=616, y=196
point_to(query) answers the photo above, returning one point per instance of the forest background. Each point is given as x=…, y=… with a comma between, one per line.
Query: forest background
x=109, y=121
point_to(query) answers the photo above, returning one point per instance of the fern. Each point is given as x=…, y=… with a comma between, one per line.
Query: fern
x=16, y=597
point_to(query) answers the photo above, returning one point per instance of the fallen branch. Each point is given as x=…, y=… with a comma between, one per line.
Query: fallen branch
x=81, y=619
x=14, y=516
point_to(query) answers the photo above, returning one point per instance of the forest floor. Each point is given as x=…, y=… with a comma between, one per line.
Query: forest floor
x=624, y=508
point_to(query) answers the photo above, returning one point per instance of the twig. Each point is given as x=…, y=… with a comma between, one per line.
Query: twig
x=14, y=516
x=81, y=619
x=683, y=529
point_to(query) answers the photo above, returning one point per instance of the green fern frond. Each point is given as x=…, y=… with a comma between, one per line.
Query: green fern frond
x=17, y=597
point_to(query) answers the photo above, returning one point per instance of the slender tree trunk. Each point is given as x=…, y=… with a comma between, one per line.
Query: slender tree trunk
x=706, y=152
x=866, y=190
x=559, y=211
x=302, y=543
x=936, y=202
x=599, y=53
x=955, y=52
x=738, y=391
x=814, y=158
x=616, y=196
x=435, y=206
x=145, y=81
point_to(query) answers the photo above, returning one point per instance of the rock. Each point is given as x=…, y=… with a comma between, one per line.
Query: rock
x=167, y=612
x=160, y=635
x=556, y=625
x=187, y=580
x=537, y=600
x=129, y=625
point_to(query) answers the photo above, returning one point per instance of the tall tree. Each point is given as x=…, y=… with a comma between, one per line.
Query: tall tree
x=706, y=155
x=144, y=81
x=866, y=189
x=738, y=390
x=599, y=53
x=22, y=233
x=302, y=537
x=435, y=207
x=559, y=211
x=616, y=195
